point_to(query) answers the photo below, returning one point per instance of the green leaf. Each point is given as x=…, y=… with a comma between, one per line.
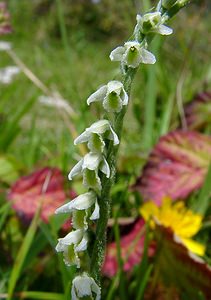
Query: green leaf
x=17, y=267
x=8, y=169
x=4, y=211
x=40, y=295
x=202, y=203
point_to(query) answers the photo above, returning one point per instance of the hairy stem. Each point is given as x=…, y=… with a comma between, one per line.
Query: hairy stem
x=105, y=200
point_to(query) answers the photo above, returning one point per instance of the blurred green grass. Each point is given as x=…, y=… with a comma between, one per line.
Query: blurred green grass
x=182, y=58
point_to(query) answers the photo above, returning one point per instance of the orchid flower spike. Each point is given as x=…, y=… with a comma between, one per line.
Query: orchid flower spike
x=80, y=208
x=132, y=54
x=151, y=22
x=89, y=166
x=85, y=286
x=94, y=136
x=113, y=96
x=74, y=242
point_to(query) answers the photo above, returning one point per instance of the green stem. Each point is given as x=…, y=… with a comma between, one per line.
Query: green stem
x=98, y=252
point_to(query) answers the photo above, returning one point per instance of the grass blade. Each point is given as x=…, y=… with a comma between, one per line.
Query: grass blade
x=17, y=267
x=201, y=203
x=36, y=295
x=144, y=282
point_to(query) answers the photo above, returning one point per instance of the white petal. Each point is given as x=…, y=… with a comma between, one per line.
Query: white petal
x=99, y=127
x=63, y=209
x=96, y=213
x=147, y=57
x=82, y=246
x=98, y=95
x=130, y=44
x=96, y=289
x=91, y=161
x=125, y=98
x=138, y=18
x=74, y=237
x=82, y=138
x=104, y=167
x=113, y=136
x=76, y=169
x=83, y=286
x=60, y=247
x=114, y=86
x=81, y=202
x=164, y=30
x=117, y=54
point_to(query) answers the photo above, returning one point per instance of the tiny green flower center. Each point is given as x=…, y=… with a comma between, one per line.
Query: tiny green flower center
x=91, y=179
x=96, y=143
x=79, y=219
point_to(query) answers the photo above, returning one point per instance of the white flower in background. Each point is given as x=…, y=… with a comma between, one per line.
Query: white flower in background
x=7, y=74
x=151, y=22
x=85, y=286
x=55, y=101
x=79, y=208
x=74, y=242
x=89, y=166
x=5, y=46
x=112, y=95
x=94, y=136
x=132, y=54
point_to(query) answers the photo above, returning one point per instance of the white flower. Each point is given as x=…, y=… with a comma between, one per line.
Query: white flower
x=79, y=207
x=94, y=136
x=70, y=245
x=4, y=46
x=132, y=54
x=151, y=22
x=89, y=166
x=83, y=286
x=7, y=74
x=112, y=95
x=57, y=102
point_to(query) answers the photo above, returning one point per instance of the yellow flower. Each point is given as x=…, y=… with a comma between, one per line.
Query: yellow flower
x=182, y=221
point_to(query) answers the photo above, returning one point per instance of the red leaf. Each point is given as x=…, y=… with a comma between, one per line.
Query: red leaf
x=45, y=185
x=180, y=268
x=132, y=247
x=197, y=112
x=176, y=166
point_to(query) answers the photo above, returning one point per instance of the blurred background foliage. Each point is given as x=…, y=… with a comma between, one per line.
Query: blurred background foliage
x=66, y=44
